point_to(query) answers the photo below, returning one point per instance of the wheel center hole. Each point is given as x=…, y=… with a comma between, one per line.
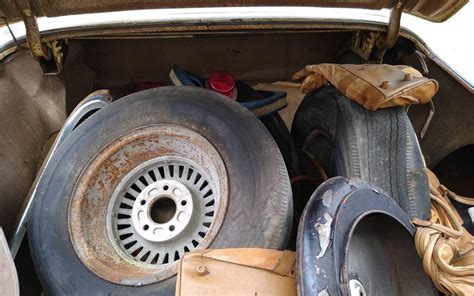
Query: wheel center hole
x=162, y=210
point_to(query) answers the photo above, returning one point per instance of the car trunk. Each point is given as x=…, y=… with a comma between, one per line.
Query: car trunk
x=35, y=106
x=255, y=58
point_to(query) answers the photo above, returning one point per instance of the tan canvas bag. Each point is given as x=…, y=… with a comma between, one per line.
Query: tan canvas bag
x=243, y=271
x=373, y=86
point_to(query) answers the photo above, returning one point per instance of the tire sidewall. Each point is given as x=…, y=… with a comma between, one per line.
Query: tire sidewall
x=259, y=207
x=379, y=147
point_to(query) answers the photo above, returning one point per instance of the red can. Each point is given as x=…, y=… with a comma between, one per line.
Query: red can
x=222, y=82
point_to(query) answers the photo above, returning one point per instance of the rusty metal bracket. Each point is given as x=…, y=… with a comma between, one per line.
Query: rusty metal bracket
x=371, y=46
x=393, y=29
x=363, y=43
x=37, y=48
x=54, y=65
x=49, y=55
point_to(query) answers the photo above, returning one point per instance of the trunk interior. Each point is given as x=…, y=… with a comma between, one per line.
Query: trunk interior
x=34, y=106
x=251, y=58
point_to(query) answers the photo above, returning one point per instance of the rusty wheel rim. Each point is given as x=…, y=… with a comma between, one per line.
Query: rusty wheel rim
x=166, y=199
x=167, y=169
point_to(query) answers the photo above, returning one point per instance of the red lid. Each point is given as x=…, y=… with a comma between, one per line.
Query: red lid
x=222, y=82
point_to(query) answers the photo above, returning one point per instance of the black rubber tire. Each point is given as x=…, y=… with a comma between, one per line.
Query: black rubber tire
x=371, y=240
x=259, y=212
x=277, y=128
x=275, y=125
x=378, y=147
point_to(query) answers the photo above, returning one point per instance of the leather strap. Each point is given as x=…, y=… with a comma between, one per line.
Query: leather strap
x=446, y=247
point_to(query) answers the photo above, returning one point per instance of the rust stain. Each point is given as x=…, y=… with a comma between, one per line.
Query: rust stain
x=92, y=194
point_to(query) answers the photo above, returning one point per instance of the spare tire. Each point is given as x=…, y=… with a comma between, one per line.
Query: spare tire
x=280, y=133
x=357, y=241
x=378, y=147
x=154, y=175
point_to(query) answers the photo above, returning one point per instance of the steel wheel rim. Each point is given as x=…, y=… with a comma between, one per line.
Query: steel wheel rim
x=104, y=182
x=131, y=225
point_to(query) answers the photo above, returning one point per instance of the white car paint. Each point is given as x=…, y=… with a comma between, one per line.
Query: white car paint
x=449, y=42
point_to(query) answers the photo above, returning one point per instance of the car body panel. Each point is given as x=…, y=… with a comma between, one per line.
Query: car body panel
x=428, y=36
x=436, y=11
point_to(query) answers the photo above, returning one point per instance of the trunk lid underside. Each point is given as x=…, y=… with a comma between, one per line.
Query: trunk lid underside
x=11, y=10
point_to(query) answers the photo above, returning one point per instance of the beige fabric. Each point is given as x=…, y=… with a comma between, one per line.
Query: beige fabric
x=245, y=271
x=294, y=97
x=373, y=86
x=446, y=247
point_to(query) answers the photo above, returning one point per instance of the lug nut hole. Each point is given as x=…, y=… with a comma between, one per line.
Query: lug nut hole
x=146, y=227
x=142, y=202
x=165, y=187
x=172, y=228
x=183, y=202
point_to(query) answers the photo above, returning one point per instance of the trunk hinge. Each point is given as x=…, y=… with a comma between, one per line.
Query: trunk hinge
x=371, y=46
x=50, y=55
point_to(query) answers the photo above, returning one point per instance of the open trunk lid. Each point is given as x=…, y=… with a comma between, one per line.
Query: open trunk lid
x=12, y=10
x=50, y=55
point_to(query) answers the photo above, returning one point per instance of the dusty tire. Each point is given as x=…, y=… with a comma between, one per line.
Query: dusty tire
x=259, y=204
x=370, y=244
x=277, y=128
x=378, y=147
